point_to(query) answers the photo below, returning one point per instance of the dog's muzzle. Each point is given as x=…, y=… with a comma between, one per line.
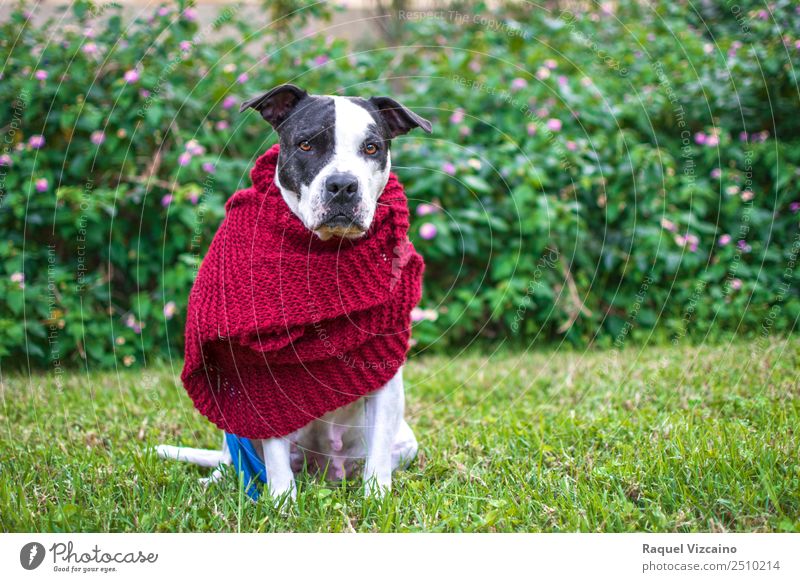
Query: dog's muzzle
x=341, y=200
x=341, y=225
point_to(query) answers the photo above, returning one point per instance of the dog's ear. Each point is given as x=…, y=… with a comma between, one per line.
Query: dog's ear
x=276, y=104
x=400, y=119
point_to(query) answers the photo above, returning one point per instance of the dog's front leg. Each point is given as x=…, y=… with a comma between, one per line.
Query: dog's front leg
x=280, y=478
x=383, y=413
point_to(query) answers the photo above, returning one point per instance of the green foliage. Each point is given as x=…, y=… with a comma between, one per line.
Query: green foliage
x=570, y=197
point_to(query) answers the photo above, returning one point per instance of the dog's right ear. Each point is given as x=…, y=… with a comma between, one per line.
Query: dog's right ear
x=276, y=104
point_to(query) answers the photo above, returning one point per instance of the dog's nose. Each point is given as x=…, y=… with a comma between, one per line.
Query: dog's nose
x=341, y=188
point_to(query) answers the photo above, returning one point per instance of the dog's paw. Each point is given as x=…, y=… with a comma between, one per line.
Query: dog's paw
x=211, y=479
x=377, y=488
x=282, y=495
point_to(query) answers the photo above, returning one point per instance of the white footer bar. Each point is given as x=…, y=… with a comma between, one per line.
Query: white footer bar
x=407, y=557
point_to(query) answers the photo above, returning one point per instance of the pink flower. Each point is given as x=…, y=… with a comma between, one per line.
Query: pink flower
x=131, y=76
x=668, y=225
x=190, y=14
x=743, y=136
x=562, y=80
x=41, y=185
x=426, y=209
x=700, y=138
x=747, y=195
x=163, y=11
x=89, y=48
x=144, y=93
x=716, y=173
x=474, y=66
x=184, y=159
x=418, y=314
x=170, y=309
x=41, y=75
x=131, y=323
x=712, y=140
x=97, y=137
x=5, y=160
x=209, y=168
x=794, y=206
x=222, y=125
x=19, y=279
x=736, y=284
x=36, y=141
x=228, y=102
x=243, y=78
x=572, y=146
x=166, y=200
x=531, y=128
x=457, y=116
x=321, y=60
x=194, y=148
x=550, y=64
x=542, y=73
x=743, y=246
x=428, y=231
x=724, y=240
x=449, y=168
x=464, y=131
x=185, y=45
x=554, y=124
x=518, y=84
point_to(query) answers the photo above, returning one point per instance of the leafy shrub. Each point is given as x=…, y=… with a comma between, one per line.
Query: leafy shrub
x=592, y=177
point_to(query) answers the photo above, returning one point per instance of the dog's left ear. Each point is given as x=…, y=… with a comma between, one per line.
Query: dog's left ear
x=400, y=119
x=276, y=104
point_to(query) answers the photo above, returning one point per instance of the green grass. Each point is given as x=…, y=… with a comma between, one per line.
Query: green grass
x=660, y=439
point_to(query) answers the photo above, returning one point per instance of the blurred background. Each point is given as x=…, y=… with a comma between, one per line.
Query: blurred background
x=599, y=173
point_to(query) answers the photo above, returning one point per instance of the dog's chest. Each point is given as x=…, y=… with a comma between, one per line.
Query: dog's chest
x=333, y=445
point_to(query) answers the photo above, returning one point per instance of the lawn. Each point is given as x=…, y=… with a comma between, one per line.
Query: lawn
x=656, y=439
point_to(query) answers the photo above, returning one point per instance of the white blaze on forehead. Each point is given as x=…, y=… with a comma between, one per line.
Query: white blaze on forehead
x=352, y=123
x=352, y=128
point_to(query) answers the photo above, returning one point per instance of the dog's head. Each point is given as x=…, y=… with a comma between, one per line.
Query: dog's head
x=334, y=160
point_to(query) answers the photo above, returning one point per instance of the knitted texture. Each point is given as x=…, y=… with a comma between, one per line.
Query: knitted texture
x=283, y=327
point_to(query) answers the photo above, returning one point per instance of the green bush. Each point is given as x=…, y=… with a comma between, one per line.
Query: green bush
x=592, y=177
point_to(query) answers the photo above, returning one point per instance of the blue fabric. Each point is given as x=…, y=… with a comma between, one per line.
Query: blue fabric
x=247, y=463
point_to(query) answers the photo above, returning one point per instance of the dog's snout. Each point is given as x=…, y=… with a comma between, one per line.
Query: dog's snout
x=341, y=188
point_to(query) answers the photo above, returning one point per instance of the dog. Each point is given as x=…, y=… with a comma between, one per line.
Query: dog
x=337, y=165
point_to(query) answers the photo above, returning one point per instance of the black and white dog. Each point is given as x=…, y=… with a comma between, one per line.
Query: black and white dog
x=337, y=166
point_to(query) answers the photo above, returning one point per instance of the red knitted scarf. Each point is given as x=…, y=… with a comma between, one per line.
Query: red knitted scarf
x=284, y=327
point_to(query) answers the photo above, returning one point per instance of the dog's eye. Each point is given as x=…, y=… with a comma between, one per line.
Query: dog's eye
x=370, y=149
x=305, y=146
